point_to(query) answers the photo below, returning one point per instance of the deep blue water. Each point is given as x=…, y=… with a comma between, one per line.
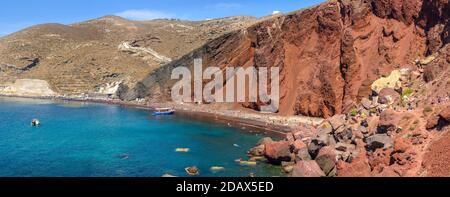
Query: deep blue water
x=97, y=140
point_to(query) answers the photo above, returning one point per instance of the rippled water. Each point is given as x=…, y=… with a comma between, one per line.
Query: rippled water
x=96, y=140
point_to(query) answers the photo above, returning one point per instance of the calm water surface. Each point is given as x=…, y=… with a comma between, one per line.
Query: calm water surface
x=96, y=140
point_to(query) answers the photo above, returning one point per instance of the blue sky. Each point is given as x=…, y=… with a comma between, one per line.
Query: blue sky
x=18, y=14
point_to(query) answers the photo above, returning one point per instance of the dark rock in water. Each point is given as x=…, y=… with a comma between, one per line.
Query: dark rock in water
x=123, y=156
x=193, y=171
x=379, y=141
x=276, y=152
x=307, y=169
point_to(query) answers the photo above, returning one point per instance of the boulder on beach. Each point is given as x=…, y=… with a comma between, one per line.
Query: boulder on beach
x=276, y=152
x=379, y=141
x=257, y=151
x=307, y=169
x=388, y=121
x=388, y=96
x=432, y=122
x=327, y=160
x=337, y=121
x=439, y=121
x=445, y=114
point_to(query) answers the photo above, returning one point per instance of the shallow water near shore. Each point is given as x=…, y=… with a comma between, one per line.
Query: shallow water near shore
x=97, y=140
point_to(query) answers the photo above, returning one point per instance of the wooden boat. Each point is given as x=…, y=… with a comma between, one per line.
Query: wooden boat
x=163, y=111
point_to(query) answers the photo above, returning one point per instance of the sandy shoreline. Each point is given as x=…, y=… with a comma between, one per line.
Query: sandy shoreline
x=269, y=124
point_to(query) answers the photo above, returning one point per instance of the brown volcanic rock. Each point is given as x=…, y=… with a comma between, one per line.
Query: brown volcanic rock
x=359, y=167
x=441, y=120
x=328, y=54
x=307, y=169
x=445, y=114
x=432, y=122
x=388, y=121
x=277, y=152
x=388, y=94
x=436, y=160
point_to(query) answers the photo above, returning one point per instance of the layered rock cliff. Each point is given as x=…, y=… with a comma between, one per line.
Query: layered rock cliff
x=328, y=55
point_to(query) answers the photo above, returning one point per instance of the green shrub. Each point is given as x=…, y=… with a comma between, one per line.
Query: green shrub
x=373, y=111
x=428, y=109
x=408, y=135
x=354, y=112
x=407, y=92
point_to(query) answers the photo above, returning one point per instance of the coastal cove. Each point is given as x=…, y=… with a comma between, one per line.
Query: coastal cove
x=100, y=140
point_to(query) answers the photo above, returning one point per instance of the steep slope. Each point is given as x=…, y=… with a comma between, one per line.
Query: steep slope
x=83, y=57
x=329, y=55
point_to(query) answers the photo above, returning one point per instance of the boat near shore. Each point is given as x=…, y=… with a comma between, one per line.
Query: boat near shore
x=163, y=112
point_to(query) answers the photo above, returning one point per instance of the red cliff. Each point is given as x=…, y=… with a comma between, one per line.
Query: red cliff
x=328, y=55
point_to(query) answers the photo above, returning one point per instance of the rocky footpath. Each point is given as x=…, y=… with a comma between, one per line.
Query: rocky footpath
x=393, y=132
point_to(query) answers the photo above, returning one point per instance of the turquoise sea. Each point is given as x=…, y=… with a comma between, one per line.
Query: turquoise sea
x=96, y=140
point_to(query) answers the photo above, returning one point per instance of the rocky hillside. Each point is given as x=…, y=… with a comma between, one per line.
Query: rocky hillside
x=401, y=129
x=97, y=54
x=329, y=55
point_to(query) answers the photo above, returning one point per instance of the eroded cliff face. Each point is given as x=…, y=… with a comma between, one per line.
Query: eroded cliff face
x=328, y=55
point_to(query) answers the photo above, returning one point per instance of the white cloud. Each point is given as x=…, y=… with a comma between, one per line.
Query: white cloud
x=144, y=14
x=276, y=12
x=227, y=6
